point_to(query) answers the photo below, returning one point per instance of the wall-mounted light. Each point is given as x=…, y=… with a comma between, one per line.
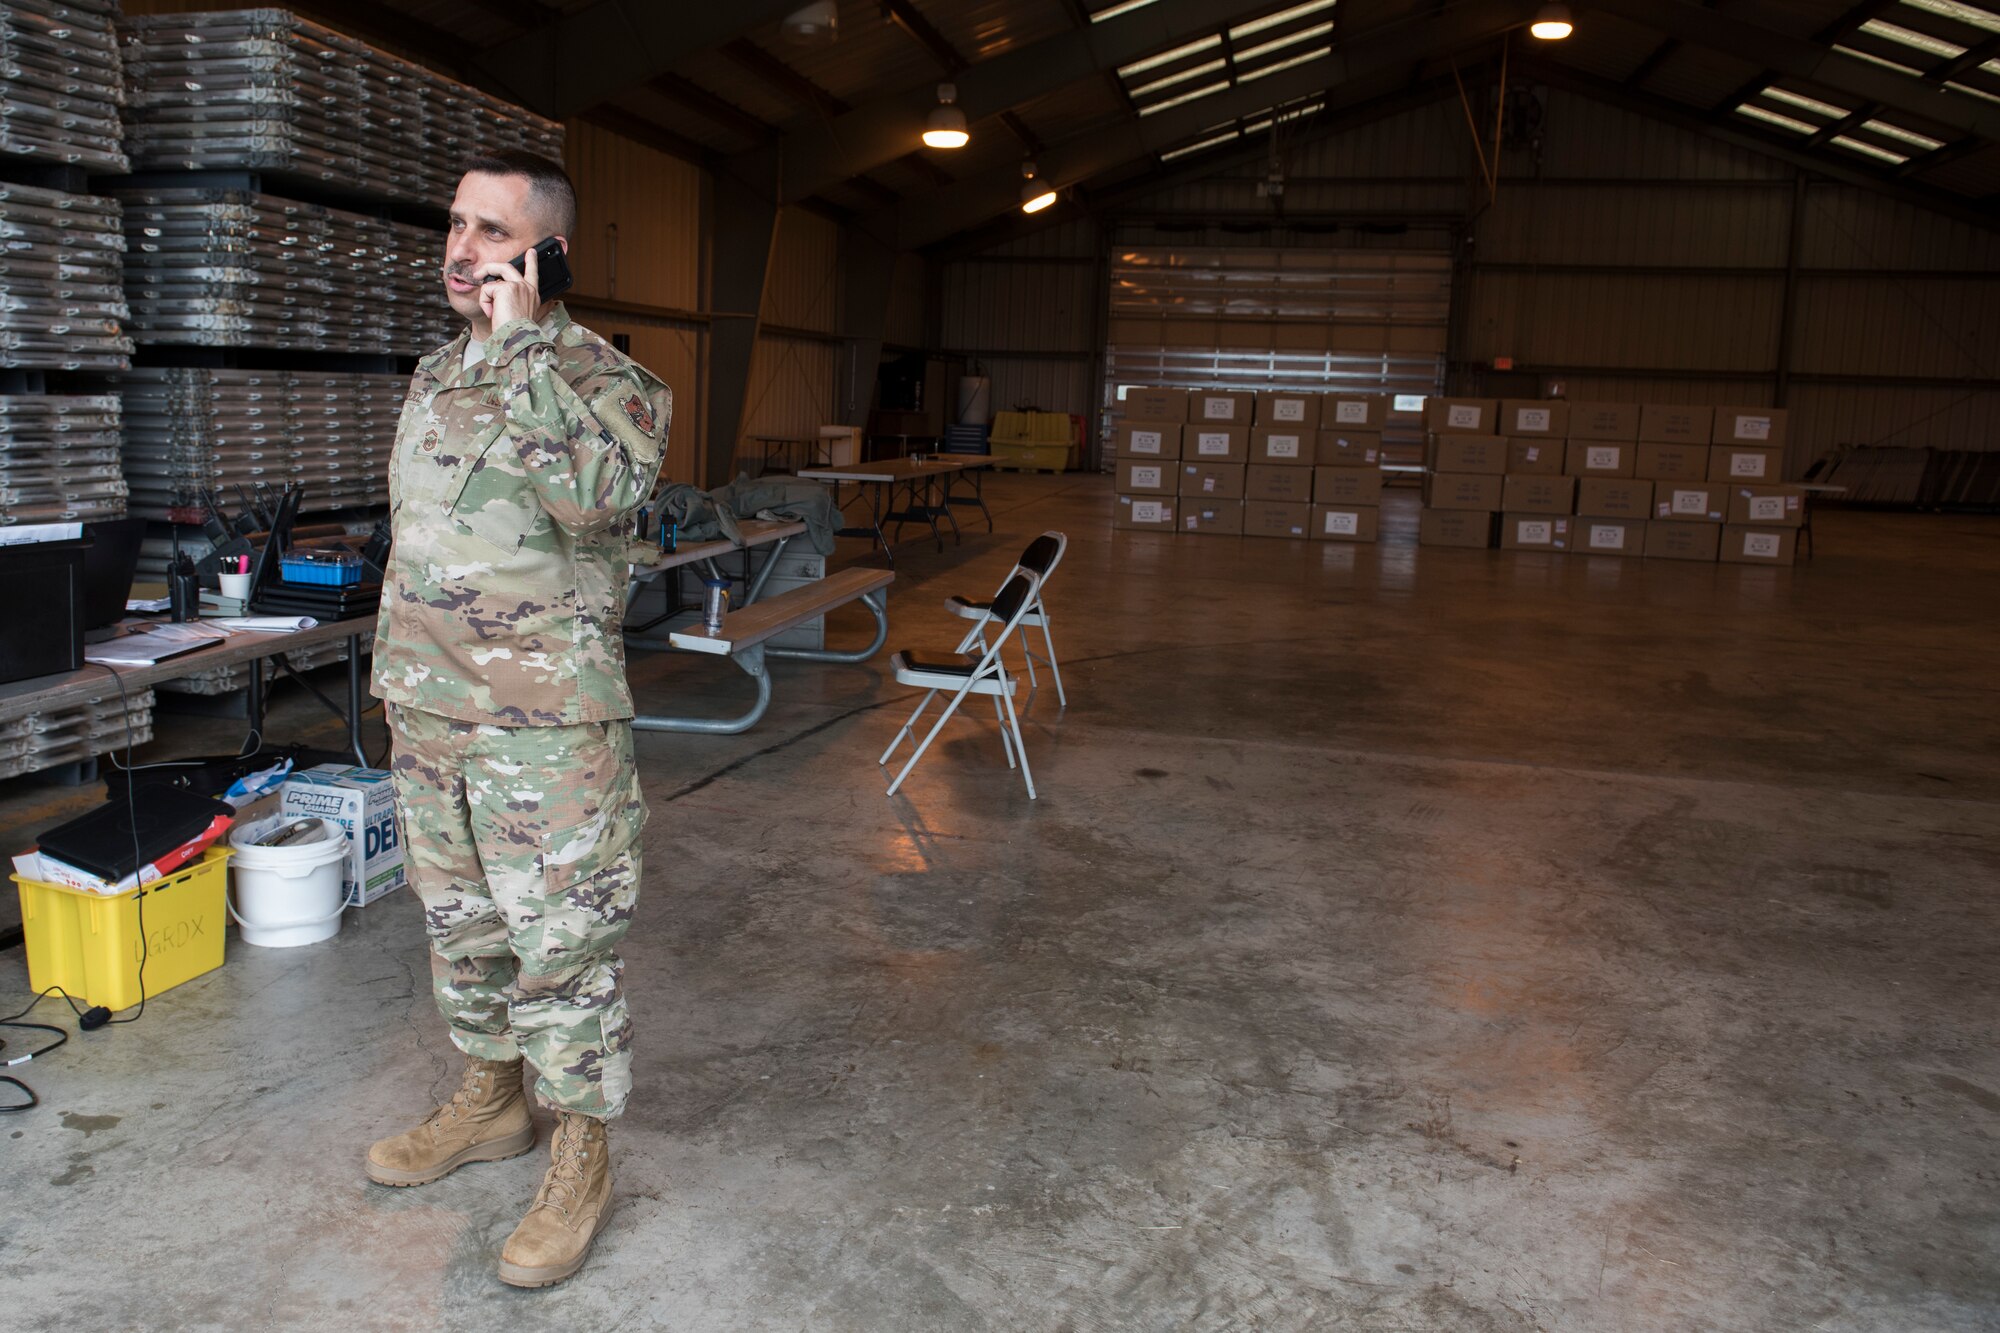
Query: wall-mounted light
x=946, y=127
x=1035, y=195
x=1552, y=23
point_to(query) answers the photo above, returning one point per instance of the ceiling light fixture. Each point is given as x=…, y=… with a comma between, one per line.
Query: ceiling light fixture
x=946, y=126
x=1035, y=195
x=1552, y=23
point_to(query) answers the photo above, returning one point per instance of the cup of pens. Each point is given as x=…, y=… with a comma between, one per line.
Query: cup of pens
x=236, y=583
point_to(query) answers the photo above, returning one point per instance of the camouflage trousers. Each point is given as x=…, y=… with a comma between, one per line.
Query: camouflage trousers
x=523, y=845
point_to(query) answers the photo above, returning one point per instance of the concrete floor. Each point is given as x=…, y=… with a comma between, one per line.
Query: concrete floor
x=1402, y=940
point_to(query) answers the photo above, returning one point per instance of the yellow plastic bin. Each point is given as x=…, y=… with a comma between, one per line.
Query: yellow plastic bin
x=89, y=943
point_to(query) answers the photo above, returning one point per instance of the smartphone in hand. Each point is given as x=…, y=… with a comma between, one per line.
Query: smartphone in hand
x=551, y=267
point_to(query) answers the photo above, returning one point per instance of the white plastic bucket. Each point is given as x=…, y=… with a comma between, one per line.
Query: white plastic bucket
x=287, y=896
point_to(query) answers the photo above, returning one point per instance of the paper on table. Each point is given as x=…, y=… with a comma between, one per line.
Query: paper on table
x=153, y=643
x=264, y=624
x=148, y=603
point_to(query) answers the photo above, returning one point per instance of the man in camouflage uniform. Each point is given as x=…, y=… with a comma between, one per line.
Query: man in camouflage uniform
x=524, y=446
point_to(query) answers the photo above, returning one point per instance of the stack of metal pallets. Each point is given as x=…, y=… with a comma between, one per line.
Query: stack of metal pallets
x=264, y=90
x=61, y=302
x=60, y=87
x=73, y=733
x=191, y=430
x=59, y=458
x=227, y=268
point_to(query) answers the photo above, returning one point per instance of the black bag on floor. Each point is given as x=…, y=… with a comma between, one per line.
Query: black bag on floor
x=214, y=775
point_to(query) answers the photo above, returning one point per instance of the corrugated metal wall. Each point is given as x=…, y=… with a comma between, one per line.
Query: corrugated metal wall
x=1630, y=259
x=1027, y=314
x=793, y=379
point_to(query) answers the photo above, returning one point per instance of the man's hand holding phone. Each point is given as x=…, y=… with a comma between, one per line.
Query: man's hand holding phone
x=536, y=275
x=510, y=293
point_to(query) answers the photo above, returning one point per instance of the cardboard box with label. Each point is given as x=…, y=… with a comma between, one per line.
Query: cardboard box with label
x=1683, y=541
x=1143, y=513
x=1347, y=485
x=1534, y=532
x=1220, y=407
x=1766, y=506
x=1536, y=458
x=1539, y=495
x=1609, y=536
x=1157, y=404
x=1614, y=497
x=1604, y=421
x=1344, y=523
x=1269, y=481
x=1467, y=453
x=1749, y=425
x=361, y=802
x=1148, y=439
x=1353, y=411
x=1203, y=443
x=1759, y=546
x=1275, y=518
x=1349, y=448
x=1137, y=477
x=1286, y=445
x=1480, y=492
x=1601, y=458
x=1213, y=481
x=1741, y=462
x=1457, y=527
x=1661, y=423
x=1690, y=501
x=1216, y=518
x=1529, y=417
x=1284, y=408
x=1672, y=462
x=1461, y=416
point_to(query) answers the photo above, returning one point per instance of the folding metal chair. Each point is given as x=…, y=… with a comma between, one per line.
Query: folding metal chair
x=1044, y=553
x=984, y=672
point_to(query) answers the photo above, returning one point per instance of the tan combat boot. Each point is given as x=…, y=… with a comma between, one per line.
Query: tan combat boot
x=486, y=1120
x=574, y=1204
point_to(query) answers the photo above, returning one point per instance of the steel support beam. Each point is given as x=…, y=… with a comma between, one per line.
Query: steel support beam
x=743, y=228
x=1361, y=71
x=1802, y=58
x=1558, y=75
x=867, y=272
x=818, y=154
x=604, y=49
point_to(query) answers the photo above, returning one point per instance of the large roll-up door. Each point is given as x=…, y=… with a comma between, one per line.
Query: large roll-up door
x=1370, y=321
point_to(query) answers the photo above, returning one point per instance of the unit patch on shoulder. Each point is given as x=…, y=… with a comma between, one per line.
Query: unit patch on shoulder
x=430, y=441
x=641, y=412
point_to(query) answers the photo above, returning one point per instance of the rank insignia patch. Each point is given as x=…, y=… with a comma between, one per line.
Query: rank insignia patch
x=641, y=413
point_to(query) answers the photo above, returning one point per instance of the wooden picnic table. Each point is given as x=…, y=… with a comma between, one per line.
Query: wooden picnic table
x=925, y=479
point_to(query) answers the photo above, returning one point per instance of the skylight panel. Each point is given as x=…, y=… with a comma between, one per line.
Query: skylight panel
x=1951, y=9
x=1887, y=130
x=1971, y=91
x=1870, y=150
x=1874, y=59
x=1200, y=44
x=1269, y=21
x=1197, y=146
x=1826, y=109
x=1248, y=75
x=1907, y=37
x=1266, y=123
x=1773, y=118
x=1184, y=97
x=1113, y=11
x=1289, y=39
x=1193, y=72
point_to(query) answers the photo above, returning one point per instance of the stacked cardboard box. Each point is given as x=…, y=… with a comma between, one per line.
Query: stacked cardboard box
x=1273, y=464
x=1678, y=483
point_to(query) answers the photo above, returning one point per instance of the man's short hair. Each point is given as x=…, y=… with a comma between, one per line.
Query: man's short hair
x=549, y=186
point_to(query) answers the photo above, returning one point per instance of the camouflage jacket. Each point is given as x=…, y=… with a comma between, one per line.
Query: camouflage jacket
x=504, y=600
